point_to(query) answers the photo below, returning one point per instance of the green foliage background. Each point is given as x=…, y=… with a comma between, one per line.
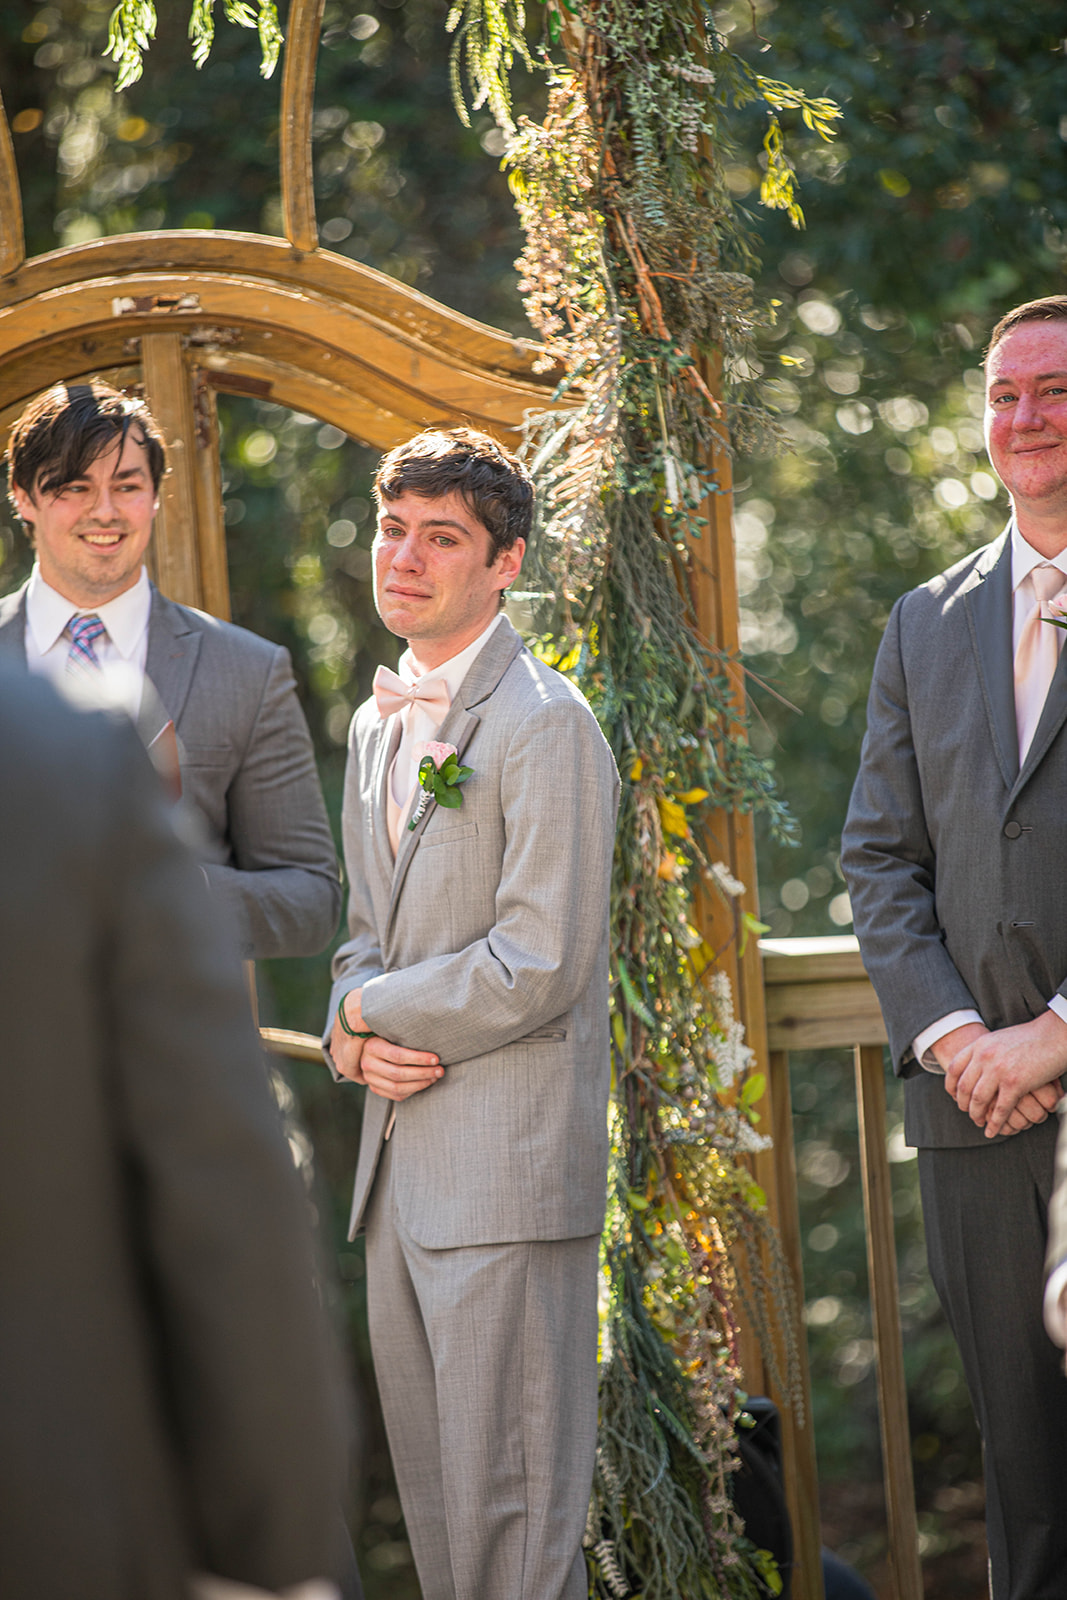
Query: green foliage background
x=941, y=203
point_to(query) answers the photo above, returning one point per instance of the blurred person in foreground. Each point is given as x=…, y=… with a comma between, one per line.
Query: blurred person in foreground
x=471, y=998
x=1056, y=1260
x=955, y=852
x=171, y=1404
x=85, y=464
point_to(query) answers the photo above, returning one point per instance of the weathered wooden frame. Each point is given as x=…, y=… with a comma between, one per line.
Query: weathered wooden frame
x=187, y=313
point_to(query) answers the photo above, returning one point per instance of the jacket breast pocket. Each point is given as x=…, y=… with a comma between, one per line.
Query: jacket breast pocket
x=448, y=835
x=206, y=755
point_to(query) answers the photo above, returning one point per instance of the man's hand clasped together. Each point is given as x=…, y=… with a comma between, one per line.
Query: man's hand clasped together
x=1008, y=1080
x=387, y=1069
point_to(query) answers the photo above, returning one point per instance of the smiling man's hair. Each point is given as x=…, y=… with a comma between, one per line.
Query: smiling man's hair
x=493, y=484
x=1051, y=308
x=63, y=431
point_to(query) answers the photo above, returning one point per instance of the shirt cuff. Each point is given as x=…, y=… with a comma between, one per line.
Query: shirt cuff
x=925, y=1041
x=1054, y=1311
x=1059, y=1005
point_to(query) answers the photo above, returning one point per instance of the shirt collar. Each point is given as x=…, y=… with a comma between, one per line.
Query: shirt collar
x=125, y=617
x=1024, y=558
x=455, y=670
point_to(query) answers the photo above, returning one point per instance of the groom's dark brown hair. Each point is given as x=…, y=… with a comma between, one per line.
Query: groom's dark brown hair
x=493, y=483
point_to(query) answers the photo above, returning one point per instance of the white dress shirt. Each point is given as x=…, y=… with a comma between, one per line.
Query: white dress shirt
x=417, y=723
x=122, y=652
x=1024, y=558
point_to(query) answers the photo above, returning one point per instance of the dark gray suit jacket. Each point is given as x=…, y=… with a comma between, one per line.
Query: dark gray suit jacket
x=955, y=859
x=250, y=788
x=170, y=1400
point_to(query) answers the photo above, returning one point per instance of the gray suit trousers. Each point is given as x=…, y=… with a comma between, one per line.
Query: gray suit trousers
x=985, y=1215
x=485, y=1357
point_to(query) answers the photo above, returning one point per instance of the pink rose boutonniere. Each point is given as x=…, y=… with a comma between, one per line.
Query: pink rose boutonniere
x=1057, y=612
x=440, y=776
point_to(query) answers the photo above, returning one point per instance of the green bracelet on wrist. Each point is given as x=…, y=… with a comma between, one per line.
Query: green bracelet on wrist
x=353, y=1033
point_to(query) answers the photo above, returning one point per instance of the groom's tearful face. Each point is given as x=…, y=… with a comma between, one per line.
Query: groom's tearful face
x=437, y=582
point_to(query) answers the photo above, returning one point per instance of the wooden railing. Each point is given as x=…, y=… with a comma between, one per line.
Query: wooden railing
x=819, y=997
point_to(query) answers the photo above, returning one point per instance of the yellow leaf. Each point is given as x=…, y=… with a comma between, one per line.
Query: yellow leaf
x=672, y=817
x=636, y=770
x=700, y=956
x=693, y=797
x=896, y=183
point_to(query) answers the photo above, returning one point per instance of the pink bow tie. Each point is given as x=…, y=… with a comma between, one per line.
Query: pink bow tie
x=393, y=694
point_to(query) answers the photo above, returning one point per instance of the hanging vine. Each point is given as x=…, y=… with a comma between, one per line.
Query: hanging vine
x=636, y=274
x=132, y=27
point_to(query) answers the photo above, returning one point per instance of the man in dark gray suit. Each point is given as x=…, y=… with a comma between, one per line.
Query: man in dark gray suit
x=85, y=463
x=170, y=1406
x=954, y=851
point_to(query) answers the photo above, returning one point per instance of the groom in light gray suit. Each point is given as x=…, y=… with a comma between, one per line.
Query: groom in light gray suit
x=955, y=851
x=85, y=464
x=472, y=1000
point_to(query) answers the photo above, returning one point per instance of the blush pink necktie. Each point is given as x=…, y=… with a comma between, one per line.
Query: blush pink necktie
x=391, y=694
x=1036, y=657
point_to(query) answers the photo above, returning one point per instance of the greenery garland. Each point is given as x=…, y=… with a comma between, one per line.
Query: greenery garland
x=636, y=274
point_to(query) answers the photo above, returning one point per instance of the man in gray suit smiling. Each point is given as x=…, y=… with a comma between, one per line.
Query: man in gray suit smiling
x=85, y=464
x=471, y=999
x=955, y=852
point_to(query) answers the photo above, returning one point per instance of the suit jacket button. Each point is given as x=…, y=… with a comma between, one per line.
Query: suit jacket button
x=1012, y=830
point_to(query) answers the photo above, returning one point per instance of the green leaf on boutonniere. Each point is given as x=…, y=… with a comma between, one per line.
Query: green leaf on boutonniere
x=442, y=782
x=451, y=771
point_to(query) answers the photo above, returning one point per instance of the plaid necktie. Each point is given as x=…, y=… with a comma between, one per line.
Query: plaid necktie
x=84, y=632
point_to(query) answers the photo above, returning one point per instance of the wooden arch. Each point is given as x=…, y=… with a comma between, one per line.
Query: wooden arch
x=187, y=313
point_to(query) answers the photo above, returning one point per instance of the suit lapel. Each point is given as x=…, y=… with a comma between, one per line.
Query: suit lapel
x=459, y=728
x=173, y=648
x=988, y=605
x=13, y=628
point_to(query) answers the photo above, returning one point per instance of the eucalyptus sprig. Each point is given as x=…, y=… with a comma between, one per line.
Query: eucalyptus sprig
x=443, y=781
x=440, y=778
